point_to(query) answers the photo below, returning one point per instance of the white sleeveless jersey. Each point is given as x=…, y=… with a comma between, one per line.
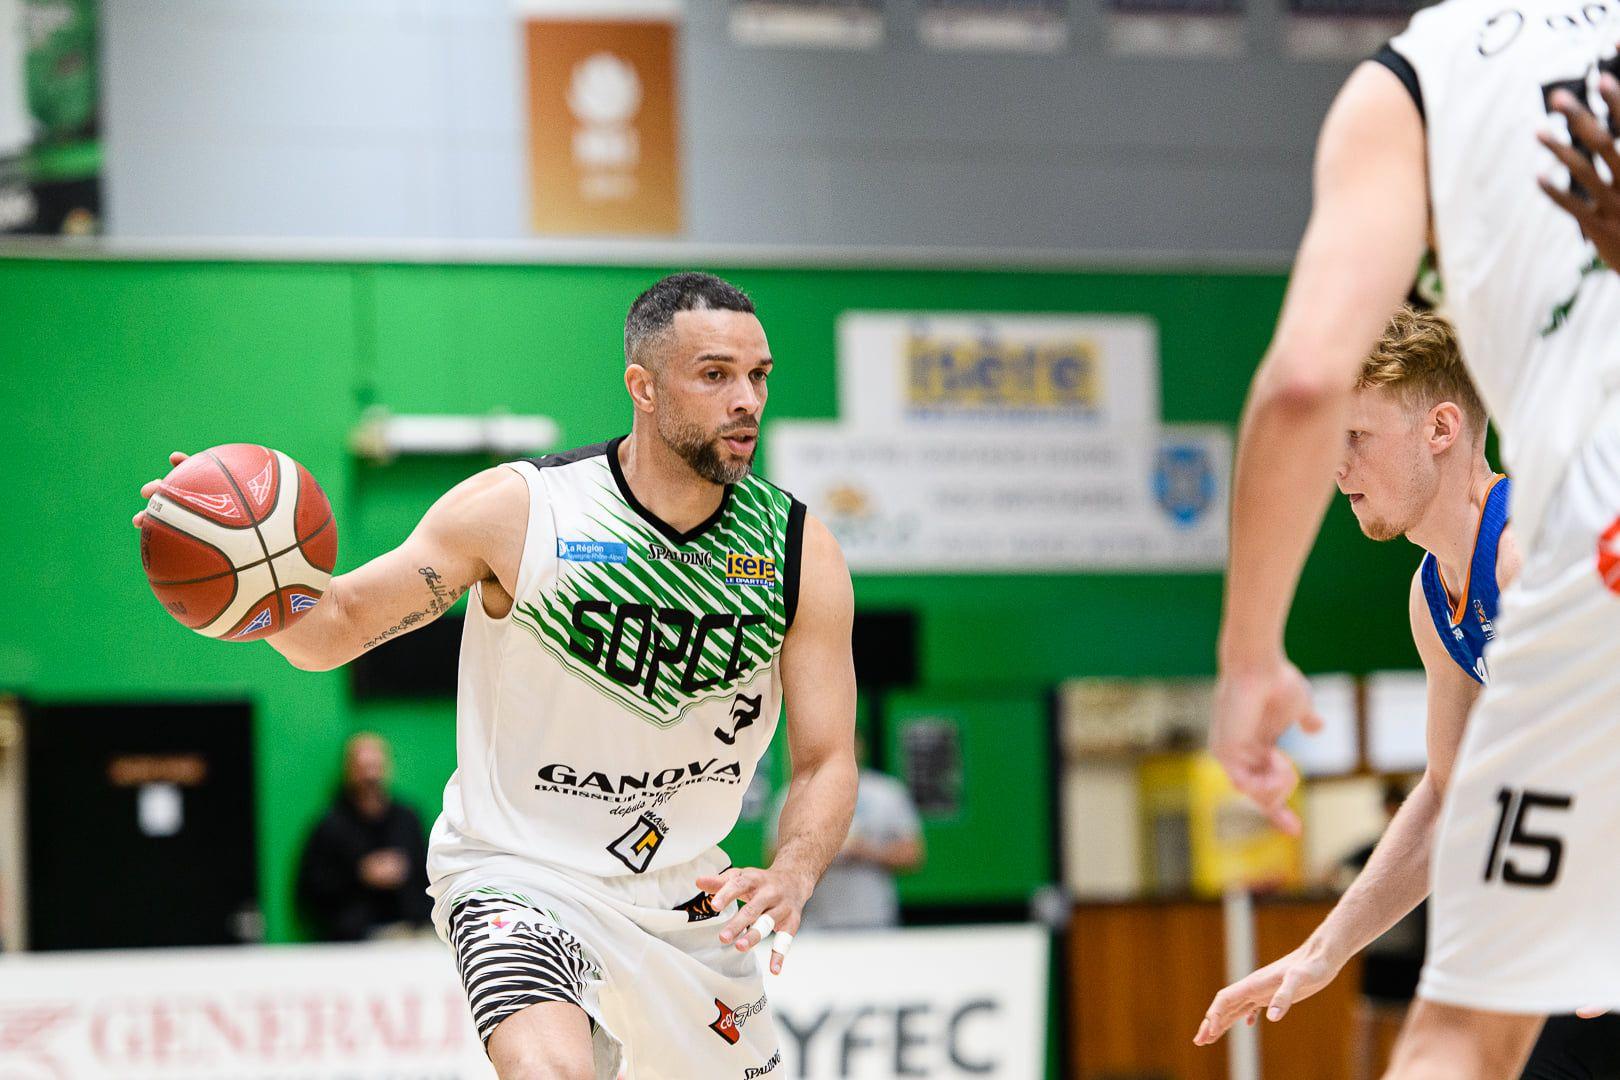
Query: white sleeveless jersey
x=612, y=721
x=1537, y=314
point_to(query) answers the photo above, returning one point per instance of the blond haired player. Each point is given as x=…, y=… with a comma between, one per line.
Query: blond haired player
x=1432, y=143
x=640, y=611
x=1414, y=466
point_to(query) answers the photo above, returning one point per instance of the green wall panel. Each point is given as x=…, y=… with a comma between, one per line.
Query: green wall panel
x=108, y=365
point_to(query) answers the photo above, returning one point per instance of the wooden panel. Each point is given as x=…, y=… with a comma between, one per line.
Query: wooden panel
x=1143, y=974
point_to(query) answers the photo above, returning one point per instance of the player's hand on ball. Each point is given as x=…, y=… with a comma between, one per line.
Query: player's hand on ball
x=778, y=894
x=149, y=488
x=1273, y=989
x=1254, y=705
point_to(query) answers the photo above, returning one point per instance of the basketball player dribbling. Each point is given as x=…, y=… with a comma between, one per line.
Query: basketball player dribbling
x=641, y=609
x=1433, y=143
x=1414, y=466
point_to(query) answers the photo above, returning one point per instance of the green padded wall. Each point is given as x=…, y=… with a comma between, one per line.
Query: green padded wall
x=108, y=365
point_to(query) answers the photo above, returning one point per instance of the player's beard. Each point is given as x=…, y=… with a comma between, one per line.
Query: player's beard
x=1380, y=529
x=1420, y=492
x=702, y=450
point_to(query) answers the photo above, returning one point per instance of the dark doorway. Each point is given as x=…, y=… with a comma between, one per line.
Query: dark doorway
x=140, y=825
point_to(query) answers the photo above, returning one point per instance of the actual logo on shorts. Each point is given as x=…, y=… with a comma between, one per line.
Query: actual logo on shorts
x=301, y=602
x=637, y=846
x=757, y=571
x=729, y=1024
x=699, y=908
x=503, y=924
x=599, y=551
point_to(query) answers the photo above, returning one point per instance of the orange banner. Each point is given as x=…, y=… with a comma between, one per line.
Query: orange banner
x=603, y=134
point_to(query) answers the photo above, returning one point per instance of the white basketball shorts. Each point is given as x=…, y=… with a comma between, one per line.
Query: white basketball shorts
x=641, y=954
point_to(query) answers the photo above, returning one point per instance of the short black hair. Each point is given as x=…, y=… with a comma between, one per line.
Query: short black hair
x=654, y=311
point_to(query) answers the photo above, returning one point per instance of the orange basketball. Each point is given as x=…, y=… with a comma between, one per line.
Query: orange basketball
x=239, y=542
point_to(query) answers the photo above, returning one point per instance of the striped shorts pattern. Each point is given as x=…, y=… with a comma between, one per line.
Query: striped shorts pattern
x=511, y=956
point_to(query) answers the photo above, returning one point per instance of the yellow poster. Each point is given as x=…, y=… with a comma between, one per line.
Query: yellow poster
x=603, y=120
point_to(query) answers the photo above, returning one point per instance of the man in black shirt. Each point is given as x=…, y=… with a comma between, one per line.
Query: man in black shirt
x=364, y=869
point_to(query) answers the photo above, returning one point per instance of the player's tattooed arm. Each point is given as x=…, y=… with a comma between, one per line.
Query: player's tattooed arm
x=442, y=598
x=474, y=533
x=818, y=683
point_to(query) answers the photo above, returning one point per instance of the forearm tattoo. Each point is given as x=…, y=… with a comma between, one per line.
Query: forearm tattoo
x=442, y=596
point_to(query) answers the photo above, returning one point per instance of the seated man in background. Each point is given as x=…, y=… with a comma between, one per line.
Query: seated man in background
x=858, y=891
x=364, y=869
x=1414, y=466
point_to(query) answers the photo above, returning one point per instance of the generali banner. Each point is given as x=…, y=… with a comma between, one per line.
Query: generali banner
x=604, y=139
x=929, y=1003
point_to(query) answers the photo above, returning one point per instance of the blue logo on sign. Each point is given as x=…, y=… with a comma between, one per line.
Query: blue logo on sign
x=1184, y=482
x=301, y=602
x=609, y=551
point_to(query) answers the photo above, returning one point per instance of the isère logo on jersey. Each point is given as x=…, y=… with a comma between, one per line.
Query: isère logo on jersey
x=758, y=571
x=592, y=551
x=638, y=844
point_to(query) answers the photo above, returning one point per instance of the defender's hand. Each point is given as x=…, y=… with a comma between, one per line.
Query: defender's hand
x=1273, y=988
x=149, y=488
x=777, y=893
x=1597, y=208
x=1254, y=705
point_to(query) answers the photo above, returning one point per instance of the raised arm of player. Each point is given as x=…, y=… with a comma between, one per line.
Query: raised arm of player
x=1396, y=877
x=473, y=533
x=1356, y=262
x=818, y=686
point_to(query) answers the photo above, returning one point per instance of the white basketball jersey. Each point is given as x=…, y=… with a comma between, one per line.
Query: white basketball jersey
x=1536, y=312
x=612, y=721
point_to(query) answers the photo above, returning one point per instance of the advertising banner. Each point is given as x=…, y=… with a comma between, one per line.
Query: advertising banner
x=826, y=24
x=1344, y=29
x=997, y=371
x=50, y=144
x=928, y=1003
x=604, y=141
x=1177, y=28
x=1031, y=26
x=1153, y=499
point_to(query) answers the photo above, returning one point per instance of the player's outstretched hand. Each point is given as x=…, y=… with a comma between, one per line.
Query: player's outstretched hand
x=1595, y=202
x=1274, y=989
x=149, y=488
x=1254, y=705
x=777, y=895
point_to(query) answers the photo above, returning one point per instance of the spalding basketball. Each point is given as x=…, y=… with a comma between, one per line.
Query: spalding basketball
x=239, y=542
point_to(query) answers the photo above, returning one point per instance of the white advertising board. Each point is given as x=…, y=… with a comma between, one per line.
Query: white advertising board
x=997, y=371
x=935, y=1003
x=990, y=501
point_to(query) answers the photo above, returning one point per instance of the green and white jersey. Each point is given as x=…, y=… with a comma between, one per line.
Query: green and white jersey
x=612, y=721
